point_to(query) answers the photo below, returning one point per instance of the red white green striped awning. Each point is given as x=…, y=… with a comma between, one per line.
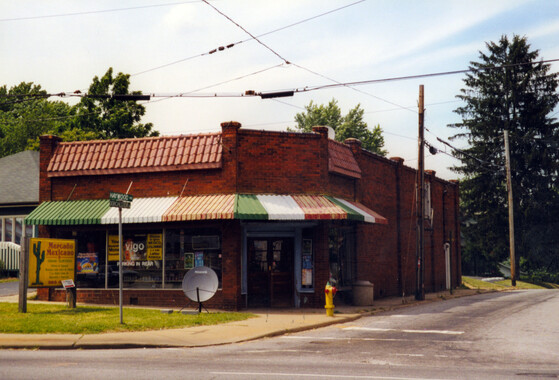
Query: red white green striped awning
x=205, y=207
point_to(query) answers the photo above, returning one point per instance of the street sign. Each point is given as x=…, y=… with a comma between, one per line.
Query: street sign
x=120, y=197
x=120, y=200
x=121, y=204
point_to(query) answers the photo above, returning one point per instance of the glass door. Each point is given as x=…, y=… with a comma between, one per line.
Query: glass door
x=270, y=272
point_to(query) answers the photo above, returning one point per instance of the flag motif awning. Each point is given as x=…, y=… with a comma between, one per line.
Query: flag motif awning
x=204, y=207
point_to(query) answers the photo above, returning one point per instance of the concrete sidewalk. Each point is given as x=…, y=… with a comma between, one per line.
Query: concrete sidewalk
x=267, y=323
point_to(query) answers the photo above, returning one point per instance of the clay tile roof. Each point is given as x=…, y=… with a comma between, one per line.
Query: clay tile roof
x=149, y=154
x=341, y=160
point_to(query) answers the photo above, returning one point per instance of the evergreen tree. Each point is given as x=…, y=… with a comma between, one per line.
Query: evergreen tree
x=508, y=89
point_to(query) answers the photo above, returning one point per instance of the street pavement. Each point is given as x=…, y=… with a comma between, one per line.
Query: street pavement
x=266, y=323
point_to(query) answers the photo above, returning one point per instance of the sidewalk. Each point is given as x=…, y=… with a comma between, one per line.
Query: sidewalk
x=268, y=323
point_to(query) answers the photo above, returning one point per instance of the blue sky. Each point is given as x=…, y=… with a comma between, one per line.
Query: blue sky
x=364, y=41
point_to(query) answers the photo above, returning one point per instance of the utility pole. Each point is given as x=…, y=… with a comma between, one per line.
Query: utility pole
x=420, y=252
x=511, y=212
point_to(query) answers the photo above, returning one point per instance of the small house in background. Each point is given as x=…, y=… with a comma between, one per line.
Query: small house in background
x=19, y=195
x=276, y=215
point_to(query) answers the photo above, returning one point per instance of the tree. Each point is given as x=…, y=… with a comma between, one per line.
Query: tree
x=27, y=113
x=110, y=118
x=350, y=125
x=508, y=89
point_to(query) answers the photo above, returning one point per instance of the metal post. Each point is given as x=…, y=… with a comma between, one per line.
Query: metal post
x=23, y=274
x=420, y=289
x=511, y=212
x=120, y=263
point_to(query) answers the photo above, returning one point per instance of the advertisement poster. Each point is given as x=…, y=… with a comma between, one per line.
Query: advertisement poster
x=113, y=247
x=88, y=262
x=155, y=247
x=51, y=261
x=199, y=259
x=188, y=260
x=135, y=248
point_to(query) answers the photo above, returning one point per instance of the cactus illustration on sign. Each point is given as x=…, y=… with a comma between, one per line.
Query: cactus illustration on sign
x=40, y=258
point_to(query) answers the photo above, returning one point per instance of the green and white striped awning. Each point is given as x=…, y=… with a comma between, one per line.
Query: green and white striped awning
x=204, y=207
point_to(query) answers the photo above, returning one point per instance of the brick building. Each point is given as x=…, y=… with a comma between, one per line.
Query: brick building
x=276, y=215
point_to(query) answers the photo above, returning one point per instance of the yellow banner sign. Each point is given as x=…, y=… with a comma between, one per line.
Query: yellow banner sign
x=155, y=247
x=51, y=261
x=113, y=247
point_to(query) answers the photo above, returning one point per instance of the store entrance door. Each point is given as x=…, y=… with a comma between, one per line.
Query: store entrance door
x=270, y=272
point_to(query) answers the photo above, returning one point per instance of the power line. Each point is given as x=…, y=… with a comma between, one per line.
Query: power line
x=98, y=11
x=247, y=32
x=228, y=46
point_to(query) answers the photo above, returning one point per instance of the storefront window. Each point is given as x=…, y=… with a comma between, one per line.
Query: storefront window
x=90, y=260
x=341, y=243
x=186, y=249
x=142, y=261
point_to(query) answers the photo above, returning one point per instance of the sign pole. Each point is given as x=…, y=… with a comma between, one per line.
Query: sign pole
x=120, y=263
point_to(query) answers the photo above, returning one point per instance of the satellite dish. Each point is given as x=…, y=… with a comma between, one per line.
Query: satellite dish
x=200, y=284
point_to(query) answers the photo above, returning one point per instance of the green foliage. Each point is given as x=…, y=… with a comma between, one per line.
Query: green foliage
x=110, y=118
x=519, y=98
x=26, y=113
x=348, y=126
x=52, y=318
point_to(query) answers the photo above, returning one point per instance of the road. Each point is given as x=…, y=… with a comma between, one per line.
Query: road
x=512, y=335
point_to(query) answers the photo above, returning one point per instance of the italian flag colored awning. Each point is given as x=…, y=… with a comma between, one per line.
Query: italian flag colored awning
x=204, y=207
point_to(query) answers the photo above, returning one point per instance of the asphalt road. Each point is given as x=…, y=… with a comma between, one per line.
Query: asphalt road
x=513, y=335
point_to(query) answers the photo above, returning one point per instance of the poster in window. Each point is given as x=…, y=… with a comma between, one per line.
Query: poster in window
x=199, y=259
x=307, y=277
x=113, y=247
x=307, y=246
x=135, y=248
x=189, y=260
x=88, y=262
x=155, y=247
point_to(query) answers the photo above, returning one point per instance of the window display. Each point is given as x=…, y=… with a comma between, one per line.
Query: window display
x=186, y=249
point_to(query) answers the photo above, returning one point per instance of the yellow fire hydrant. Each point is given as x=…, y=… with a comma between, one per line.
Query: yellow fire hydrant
x=329, y=293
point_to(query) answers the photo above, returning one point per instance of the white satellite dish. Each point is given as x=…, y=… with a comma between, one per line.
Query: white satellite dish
x=200, y=284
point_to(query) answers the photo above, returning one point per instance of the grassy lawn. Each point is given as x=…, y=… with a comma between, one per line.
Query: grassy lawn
x=49, y=318
x=8, y=279
x=498, y=285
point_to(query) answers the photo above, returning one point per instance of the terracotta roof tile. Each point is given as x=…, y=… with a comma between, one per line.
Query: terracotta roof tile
x=341, y=160
x=185, y=152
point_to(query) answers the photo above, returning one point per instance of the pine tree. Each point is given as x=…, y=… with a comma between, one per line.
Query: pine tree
x=509, y=89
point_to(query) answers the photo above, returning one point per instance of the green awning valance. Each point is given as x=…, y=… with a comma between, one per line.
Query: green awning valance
x=58, y=213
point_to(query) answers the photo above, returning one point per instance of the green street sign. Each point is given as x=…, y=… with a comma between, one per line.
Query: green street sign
x=121, y=204
x=119, y=197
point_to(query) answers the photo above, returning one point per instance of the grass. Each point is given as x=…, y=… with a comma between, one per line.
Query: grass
x=56, y=318
x=498, y=285
x=8, y=279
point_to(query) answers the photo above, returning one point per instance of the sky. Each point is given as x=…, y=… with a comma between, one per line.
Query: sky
x=164, y=45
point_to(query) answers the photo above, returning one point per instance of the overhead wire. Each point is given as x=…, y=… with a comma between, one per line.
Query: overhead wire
x=98, y=11
x=230, y=45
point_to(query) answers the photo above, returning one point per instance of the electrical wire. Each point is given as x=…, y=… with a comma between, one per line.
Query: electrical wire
x=247, y=32
x=228, y=46
x=98, y=11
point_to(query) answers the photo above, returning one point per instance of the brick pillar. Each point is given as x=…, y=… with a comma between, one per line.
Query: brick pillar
x=48, y=144
x=230, y=141
x=324, y=157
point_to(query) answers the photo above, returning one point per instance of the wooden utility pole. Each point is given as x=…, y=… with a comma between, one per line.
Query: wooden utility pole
x=23, y=273
x=420, y=252
x=511, y=212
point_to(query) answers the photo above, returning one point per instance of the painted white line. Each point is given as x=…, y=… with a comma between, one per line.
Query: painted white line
x=267, y=351
x=444, y=332
x=315, y=375
x=302, y=337
x=412, y=355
